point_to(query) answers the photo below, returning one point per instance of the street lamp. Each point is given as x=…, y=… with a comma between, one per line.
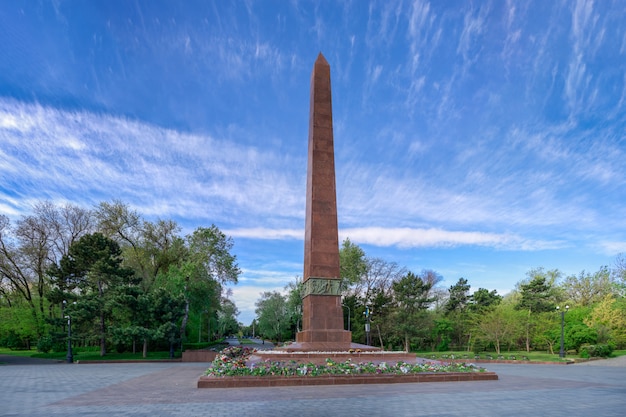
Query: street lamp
x=367, y=313
x=348, y=315
x=562, y=350
x=69, y=357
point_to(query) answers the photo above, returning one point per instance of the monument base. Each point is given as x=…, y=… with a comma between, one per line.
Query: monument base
x=328, y=346
x=358, y=353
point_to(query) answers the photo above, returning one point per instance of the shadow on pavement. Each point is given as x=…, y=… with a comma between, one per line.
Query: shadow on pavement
x=24, y=360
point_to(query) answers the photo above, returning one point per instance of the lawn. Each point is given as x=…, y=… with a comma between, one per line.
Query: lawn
x=513, y=355
x=247, y=341
x=88, y=355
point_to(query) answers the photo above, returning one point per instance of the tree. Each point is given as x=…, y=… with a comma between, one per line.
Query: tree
x=227, y=323
x=456, y=310
x=442, y=333
x=608, y=318
x=28, y=249
x=538, y=295
x=272, y=315
x=294, y=304
x=373, y=290
x=458, y=296
x=480, y=303
x=352, y=262
x=196, y=266
x=412, y=298
x=94, y=262
x=152, y=316
x=149, y=248
x=207, y=266
x=547, y=331
x=587, y=289
x=483, y=299
x=500, y=326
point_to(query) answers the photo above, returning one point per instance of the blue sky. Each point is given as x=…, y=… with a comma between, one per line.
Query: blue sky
x=478, y=139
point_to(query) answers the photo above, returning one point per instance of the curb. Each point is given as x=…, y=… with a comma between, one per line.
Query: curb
x=289, y=381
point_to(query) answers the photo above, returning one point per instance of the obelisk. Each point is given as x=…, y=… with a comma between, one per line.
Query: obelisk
x=322, y=314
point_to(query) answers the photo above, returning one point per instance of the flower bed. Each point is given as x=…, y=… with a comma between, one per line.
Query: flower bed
x=233, y=361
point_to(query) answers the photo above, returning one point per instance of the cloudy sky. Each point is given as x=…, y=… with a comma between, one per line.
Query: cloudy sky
x=478, y=139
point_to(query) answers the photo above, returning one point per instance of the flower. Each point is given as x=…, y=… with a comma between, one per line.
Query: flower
x=232, y=362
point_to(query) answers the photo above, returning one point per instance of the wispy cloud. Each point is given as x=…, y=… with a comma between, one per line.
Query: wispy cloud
x=415, y=238
x=160, y=171
x=587, y=34
x=265, y=234
x=469, y=46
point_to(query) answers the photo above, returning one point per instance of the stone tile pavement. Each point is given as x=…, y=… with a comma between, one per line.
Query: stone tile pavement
x=168, y=389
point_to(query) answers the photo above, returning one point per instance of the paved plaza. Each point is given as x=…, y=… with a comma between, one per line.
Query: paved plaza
x=169, y=389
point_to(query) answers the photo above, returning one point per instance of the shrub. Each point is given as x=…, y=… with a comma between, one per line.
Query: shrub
x=478, y=347
x=443, y=345
x=45, y=344
x=12, y=341
x=579, y=335
x=596, y=351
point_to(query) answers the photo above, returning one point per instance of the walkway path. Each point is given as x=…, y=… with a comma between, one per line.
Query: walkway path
x=168, y=389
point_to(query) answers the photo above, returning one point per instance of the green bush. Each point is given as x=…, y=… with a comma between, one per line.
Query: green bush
x=596, y=351
x=443, y=346
x=12, y=341
x=45, y=344
x=478, y=346
x=579, y=335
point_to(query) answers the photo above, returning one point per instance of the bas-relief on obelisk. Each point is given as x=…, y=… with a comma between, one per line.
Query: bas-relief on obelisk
x=322, y=314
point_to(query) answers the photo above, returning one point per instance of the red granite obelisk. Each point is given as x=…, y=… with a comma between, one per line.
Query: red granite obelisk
x=322, y=314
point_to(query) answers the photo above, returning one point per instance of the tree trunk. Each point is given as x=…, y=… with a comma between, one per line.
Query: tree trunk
x=380, y=337
x=145, y=348
x=406, y=343
x=183, y=324
x=103, y=347
x=528, y=333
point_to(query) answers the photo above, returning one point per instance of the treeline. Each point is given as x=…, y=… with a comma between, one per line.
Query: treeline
x=412, y=311
x=124, y=282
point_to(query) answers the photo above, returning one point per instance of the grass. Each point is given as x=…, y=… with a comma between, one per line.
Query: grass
x=535, y=356
x=246, y=341
x=519, y=355
x=89, y=355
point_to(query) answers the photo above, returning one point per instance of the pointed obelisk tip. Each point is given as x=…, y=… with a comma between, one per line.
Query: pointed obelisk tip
x=321, y=60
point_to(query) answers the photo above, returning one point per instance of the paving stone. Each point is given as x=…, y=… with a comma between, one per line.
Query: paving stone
x=169, y=389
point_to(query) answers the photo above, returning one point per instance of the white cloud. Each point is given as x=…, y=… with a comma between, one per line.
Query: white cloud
x=613, y=248
x=265, y=233
x=432, y=238
x=159, y=171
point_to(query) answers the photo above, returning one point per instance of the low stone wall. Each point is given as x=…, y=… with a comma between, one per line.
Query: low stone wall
x=285, y=381
x=198, y=356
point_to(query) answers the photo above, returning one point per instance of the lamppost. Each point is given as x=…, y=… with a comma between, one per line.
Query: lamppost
x=562, y=350
x=69, y=357
x=348, y=315
x=368, y=338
